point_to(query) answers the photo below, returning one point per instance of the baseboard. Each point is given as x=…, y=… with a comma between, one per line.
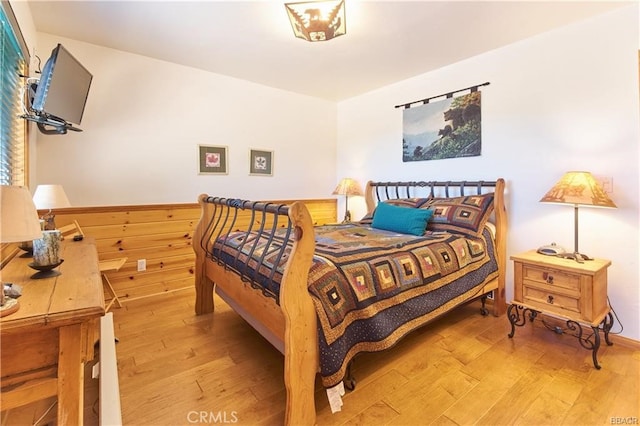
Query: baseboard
x=625, y=341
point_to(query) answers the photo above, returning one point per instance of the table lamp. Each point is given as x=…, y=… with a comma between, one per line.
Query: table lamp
x=346, y=187
x=50, y=197
x=18, y=222
x=577, y=189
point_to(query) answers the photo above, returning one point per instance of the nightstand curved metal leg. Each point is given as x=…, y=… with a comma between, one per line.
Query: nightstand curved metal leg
x=513, y=318
x=590, y=342
x=518, y=317
x=596, y=346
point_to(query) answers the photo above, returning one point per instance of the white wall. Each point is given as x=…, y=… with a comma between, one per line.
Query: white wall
x=564, y=100
x=145, y=118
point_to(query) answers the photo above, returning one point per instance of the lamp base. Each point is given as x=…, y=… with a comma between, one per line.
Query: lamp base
x=578, y=257
x=27, y=246
x=45, y=271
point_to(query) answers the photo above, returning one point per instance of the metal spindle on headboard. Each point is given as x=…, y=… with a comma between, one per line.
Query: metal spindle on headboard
x=384, y=187
x=396, y=187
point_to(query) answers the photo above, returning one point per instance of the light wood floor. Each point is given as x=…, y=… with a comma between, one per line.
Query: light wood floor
x=175, y=367
x=462, y=369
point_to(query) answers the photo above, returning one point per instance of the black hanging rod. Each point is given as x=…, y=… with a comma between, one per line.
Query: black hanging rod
x=448, y=95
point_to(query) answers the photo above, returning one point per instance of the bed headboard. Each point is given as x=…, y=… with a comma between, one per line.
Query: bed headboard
x=380, y=191
x=377, y=192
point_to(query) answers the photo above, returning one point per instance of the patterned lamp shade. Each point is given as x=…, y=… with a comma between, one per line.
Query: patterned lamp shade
x=348, y=186
x=578, y=188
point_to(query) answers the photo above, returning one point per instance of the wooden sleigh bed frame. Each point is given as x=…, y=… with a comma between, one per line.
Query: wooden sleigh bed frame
x=291, y=324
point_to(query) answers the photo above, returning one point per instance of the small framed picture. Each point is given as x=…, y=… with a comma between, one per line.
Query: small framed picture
x=212, y=160
x=260, y=162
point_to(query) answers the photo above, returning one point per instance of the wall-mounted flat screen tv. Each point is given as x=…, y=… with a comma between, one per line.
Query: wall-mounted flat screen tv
x=63, y=88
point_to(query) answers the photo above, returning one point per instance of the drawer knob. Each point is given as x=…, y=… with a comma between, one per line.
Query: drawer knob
x=550, y=299
x=547, y=277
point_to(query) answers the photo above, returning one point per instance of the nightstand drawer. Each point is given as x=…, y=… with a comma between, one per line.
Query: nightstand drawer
x=552, y=277
x=550, y=301
x=578, y=290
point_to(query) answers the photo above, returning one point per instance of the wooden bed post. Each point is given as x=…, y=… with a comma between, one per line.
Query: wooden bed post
x=500, y=212
x=204, y=286
x=369, y=199
x=300, y=336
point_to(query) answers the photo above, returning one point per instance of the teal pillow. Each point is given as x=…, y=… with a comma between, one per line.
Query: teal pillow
x=401, y=219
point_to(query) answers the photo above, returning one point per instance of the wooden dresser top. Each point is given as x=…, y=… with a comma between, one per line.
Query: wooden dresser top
x=73, y=296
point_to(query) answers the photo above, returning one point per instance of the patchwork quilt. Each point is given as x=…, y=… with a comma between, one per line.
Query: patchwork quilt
x=370, y=287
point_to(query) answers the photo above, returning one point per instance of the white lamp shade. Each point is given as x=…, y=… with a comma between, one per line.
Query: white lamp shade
x=19, y=218
x=50, y=197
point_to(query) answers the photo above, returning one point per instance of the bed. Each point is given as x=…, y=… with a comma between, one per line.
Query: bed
x=323, y=294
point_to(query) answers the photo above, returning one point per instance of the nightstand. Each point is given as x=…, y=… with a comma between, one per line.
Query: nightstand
x=575, y=292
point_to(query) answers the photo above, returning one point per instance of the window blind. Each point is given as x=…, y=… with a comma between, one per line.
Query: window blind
x=13, y=64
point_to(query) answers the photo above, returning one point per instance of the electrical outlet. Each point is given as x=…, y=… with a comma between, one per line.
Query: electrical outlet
x=142, y=265
x=95, y=370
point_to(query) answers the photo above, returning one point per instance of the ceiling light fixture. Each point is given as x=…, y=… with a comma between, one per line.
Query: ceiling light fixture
x=317, y=20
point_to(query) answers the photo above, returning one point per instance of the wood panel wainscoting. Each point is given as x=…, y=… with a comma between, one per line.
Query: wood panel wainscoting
x=161, y=234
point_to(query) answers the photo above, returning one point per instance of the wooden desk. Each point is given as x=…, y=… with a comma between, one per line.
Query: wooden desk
x=44, y=345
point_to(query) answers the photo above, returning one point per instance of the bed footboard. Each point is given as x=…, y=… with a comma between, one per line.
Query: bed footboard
x=203, y=285
x=294, y=324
